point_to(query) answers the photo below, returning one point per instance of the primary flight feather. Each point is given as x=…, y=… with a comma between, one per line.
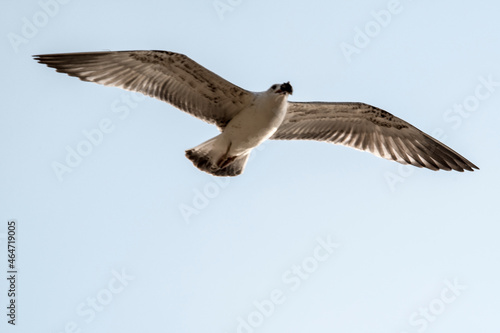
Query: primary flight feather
x=246, y=119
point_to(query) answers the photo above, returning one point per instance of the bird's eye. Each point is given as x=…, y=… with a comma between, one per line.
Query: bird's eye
x=274, y=86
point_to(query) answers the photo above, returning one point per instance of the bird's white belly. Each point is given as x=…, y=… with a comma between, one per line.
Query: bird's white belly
x=253, y=126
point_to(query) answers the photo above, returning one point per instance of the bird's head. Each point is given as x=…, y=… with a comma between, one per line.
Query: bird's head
x=284, y=88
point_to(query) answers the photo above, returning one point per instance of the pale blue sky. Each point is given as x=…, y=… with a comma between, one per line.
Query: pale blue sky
x=339, y=240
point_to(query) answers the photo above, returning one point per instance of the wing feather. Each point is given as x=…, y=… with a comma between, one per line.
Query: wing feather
x=171, y=77
x=371, y=129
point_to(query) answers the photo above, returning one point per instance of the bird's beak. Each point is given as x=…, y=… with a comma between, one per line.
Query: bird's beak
x=286, y=88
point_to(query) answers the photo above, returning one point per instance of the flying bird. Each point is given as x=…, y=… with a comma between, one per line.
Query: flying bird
x=246, y=119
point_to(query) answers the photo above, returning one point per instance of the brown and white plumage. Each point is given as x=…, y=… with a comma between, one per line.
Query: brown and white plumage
x=371, y=129
x=171, y=77
x=247, y=118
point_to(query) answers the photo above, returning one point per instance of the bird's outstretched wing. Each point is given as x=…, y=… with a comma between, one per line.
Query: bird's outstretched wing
x=368, y=128
x=168, y=76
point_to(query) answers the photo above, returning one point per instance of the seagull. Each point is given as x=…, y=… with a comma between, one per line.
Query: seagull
x=246, y=119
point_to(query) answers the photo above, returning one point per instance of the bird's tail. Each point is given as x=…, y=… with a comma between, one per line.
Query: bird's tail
x=207, y=157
